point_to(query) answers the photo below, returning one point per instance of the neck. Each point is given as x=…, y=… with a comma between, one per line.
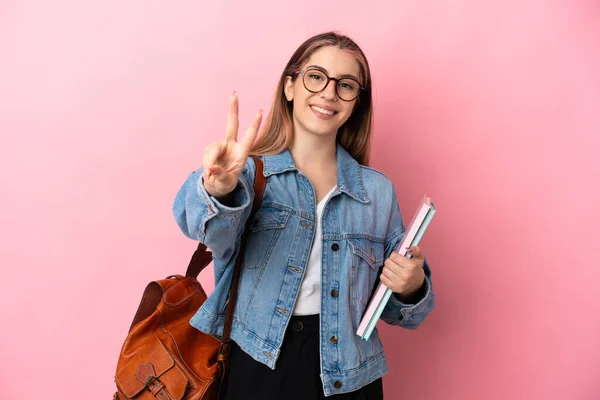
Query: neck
x=314, y=153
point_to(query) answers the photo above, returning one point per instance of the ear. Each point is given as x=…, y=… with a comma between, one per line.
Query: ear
x=288, y=88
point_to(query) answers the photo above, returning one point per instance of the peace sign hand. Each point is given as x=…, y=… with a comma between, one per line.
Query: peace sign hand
x=224, y=161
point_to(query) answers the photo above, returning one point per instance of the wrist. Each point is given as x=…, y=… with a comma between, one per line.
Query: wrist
x=223, y=198
x=412, y=296
x=214, y=193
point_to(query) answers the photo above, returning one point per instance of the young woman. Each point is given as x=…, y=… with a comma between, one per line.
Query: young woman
x=325, y=233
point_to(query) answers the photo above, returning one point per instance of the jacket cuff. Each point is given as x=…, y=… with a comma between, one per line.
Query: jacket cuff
x=407, y=309
x=240, y=200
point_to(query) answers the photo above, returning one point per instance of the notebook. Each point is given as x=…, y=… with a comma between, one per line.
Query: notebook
x=412, y=237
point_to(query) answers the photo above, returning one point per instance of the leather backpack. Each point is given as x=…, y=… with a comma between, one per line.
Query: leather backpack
x=163, y=356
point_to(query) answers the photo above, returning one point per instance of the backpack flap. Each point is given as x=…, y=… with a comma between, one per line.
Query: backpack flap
x=151, y=369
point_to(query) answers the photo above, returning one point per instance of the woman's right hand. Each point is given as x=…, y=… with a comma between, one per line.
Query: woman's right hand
x=224, y=161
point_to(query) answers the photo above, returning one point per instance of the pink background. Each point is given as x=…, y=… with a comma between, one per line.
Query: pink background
x=489, y=107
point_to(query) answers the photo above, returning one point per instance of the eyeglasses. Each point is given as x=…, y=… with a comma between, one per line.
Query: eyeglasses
x=316, y=80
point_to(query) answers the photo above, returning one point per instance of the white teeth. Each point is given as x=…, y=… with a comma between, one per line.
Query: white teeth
x=322, y=110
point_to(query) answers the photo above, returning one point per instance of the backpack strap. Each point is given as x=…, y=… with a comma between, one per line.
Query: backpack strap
x=260, y=184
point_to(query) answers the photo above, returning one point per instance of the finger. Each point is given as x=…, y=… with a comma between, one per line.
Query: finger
x=396, y=257
x=217, y=149
x=252, y=132
x=403, y=260
x=390, y=273
x=232, y=119
x=391, y=283
x=415, y=252
x=402, y=268
x=386, y=281
x=211, y=156
x=211, y=153
x=400, y=261
x=407, y=264
x=215, y=171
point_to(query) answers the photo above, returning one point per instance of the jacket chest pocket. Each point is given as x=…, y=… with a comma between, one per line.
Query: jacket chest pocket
x=265, y=229
x=367, y=258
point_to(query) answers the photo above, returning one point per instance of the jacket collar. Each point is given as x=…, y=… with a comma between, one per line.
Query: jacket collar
x=349, y=171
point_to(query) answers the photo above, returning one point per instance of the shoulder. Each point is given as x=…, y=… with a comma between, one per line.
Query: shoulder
x=374, y=173
x=376, y=181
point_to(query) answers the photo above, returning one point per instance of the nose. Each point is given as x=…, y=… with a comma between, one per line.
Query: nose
x=329, y=92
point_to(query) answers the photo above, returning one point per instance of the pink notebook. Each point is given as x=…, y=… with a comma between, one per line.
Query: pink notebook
x=413, y=234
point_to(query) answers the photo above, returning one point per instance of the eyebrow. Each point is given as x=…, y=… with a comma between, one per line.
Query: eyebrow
x=340, y=77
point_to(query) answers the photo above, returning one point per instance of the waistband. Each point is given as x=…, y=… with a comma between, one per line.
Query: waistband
x=304, y=323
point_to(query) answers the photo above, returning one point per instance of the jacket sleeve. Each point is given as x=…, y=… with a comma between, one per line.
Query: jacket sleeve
x=202, y=217
x=409, y=316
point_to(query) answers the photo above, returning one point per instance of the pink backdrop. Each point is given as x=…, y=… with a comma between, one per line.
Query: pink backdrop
x=489, y=107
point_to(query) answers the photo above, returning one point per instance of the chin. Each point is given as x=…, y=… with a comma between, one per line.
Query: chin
x=319, y=129
x=323, y=127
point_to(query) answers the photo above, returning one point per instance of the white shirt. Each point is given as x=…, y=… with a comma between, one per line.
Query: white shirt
x=309, y=297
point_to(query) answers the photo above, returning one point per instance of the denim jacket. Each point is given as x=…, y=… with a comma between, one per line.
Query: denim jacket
x=361, y=226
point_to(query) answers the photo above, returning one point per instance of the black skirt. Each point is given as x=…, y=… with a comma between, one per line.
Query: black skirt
x=297, y=374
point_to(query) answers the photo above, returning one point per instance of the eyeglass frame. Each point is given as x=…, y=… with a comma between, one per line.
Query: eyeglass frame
x=329, y=79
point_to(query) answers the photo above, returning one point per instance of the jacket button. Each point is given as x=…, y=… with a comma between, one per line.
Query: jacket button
x=337, y=384
x=334, y=293
x=335, y=247
x=333, y=340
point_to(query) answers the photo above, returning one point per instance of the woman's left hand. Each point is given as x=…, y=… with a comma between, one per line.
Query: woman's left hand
x=404, y=275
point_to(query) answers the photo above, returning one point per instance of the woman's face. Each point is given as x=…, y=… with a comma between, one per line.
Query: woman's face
x=323, y=113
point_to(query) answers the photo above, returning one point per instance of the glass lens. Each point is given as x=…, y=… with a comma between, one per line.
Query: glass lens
x=347, y=89
x=315, y=80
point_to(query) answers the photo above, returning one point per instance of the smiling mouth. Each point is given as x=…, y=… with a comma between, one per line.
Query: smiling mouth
x=323, y=111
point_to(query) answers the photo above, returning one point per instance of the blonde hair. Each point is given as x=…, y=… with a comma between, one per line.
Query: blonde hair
x=354, y=135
